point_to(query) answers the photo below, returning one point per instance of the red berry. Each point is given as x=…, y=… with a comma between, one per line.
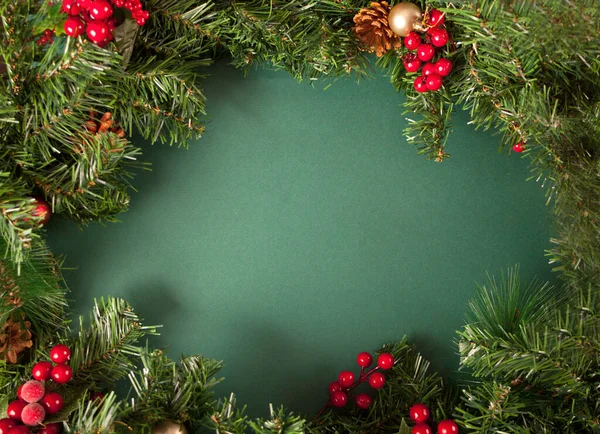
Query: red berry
x=425, y=52
x=385, y=361
x=334, y=387
x=32, y=391
x=447, y=427
x=111, y=23
x=411, y=63
x=60, y=353
x=339, y=399
x=19, y=429
x=19, y=392
x=346, y=379
x=433, y=82
x=377, y=380
x=100, y=10
x=443, y=66
x=97, y=31
x=15, y=408
x=48, y=32
x=421, y=428
x=41, y=371
x=119, y=3
x=419, y=413
x=51, y=428
x=412, y=40
x=363, y=401
x=74, y=26
x=70, y=7
x=62, y=373
x=42, y=209
x=519, y=147
x=439, y=37
x=419, y=84
x=145, y=14
x=364, y=359
x=97, y=397
x=33, y=414
x=52, y=402
x=136, y=5
x=84, y=4
x=140, y=21
x=6, y=424
x=435, y=18
x=428, y=68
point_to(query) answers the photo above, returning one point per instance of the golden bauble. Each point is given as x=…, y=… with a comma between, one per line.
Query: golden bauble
x=403, y=17
x=168, y=427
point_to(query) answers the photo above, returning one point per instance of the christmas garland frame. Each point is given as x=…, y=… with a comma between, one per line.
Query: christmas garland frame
x=532, y=349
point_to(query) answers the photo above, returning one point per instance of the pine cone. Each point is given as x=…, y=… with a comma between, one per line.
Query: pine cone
x=105, y=124
x=373, y=29
x=14, y=338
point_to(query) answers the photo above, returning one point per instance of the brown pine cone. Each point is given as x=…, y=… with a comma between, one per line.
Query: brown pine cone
x=372, y=28
x=103, y=125
x=14, y=338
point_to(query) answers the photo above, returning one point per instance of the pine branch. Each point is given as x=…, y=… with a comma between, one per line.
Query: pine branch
x=105, y=351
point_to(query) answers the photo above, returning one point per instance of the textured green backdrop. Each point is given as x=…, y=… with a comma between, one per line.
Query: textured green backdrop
x=302, y=229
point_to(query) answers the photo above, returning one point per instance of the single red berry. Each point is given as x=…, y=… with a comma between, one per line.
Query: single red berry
x=32, y=391
x=48, y=32
x=51, y=428
x=140, y=21
x=33, y=414
x=447, y=427
x=52, y=402
x=411, y=63
x=100, y=10
x=60, y=353
x=443, y=66
x=41, y=371
x=419, y=84
x=377, y=380
x=62, y=373
x=433, y=82
x=97, y=397
x=385, y=361
x=19, y=389
x=412, y=40
x=111, y=23
x=6, y=424
x=339, y=399
x=145, y=14
x=364, y=359
x=519, y=147
x=334, y=387
x=421, y=428
x=84, y=4
x=119, y=3
x=15, y=408
x=363, y=401
x=428, y=68
x=346, y=378
x=439, y=37
x=74, y=26
x=425, y=52
x=435, y=18
x=97, y=31
x=419, y=413
x=19, y=429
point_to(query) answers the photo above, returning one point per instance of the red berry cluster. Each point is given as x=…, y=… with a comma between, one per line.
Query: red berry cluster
x=46, y=38
x=435, y=37
x=95, y=18
x=339, y=390
x=35, y=401
x=419, y=413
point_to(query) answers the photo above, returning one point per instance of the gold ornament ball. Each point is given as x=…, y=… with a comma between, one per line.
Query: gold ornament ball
x=168, y=427
x=402, y=18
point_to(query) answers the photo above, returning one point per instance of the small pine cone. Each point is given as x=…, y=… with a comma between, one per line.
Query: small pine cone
x=15, y=336
x=372, y=28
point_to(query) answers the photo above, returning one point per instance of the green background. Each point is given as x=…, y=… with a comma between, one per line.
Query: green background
x=303, y=229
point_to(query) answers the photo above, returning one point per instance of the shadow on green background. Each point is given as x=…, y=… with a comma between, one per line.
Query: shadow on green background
x=303, y=229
